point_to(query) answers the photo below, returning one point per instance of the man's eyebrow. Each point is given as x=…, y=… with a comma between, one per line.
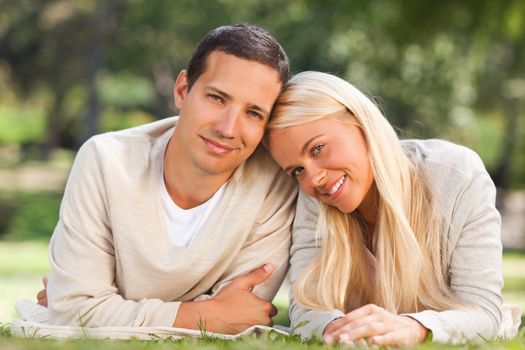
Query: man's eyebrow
x=304, y=149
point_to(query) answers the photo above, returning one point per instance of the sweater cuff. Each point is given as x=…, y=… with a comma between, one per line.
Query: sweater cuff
x=164, y=316
x=432, y=323
x=315, y=323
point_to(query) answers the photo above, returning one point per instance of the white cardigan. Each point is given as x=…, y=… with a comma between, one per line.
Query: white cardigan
x=473, y=248
x=111, y=258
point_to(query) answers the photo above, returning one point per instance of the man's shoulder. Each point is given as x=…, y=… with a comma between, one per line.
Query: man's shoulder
x=127, y=141
x=131, y=150
x=144, y=132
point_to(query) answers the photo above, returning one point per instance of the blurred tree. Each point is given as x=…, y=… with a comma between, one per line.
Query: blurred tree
x=443, y=69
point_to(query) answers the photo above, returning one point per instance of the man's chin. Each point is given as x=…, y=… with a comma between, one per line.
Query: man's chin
x=212, y=169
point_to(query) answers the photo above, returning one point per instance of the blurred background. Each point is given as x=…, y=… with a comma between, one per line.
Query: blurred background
x=73, y=68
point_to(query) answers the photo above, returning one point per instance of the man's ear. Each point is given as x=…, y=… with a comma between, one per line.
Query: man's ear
x=181, y=88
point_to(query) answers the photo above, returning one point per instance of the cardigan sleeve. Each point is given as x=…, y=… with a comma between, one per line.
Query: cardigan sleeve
x=82, y=290
x=306, y=322
x=475, y=268
x=269, y=240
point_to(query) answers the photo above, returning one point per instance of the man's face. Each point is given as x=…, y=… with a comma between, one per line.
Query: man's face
x=223, y=115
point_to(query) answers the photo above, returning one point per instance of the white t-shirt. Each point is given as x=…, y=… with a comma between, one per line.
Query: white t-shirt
x=184, y=225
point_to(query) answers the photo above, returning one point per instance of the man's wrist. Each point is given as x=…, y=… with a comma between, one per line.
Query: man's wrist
x=195, y=315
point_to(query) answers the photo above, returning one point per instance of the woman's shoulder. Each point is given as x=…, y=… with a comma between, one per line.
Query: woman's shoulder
x=444, y=157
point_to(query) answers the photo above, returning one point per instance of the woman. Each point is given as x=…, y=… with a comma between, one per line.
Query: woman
x=410, y=236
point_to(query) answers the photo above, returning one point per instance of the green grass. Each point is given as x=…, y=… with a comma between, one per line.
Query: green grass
x=279, y=342
x=23, y=258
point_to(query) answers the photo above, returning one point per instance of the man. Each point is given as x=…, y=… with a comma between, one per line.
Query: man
x=162, y=224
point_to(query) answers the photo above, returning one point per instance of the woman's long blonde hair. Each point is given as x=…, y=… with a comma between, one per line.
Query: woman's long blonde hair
x=410, y=273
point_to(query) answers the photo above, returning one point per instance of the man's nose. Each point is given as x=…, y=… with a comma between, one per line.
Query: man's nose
x=228, y=123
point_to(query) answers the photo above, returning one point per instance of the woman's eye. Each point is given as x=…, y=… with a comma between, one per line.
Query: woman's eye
x=316, y=149
x=297, y=171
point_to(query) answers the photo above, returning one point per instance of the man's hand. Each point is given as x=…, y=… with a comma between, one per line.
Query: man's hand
x=375, y=325
x=234, y=309
x=41, y=296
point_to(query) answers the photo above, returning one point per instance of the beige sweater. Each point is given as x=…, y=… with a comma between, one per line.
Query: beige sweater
x=111, y=258
x=472, y=246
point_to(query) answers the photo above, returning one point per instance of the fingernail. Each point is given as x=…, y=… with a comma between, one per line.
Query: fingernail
x=268, y=267
x=328, y=339
x=361, y=342
x=348, y=343
x=345, y=339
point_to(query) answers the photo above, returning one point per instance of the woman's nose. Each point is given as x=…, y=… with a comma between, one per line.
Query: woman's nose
x=318, y=178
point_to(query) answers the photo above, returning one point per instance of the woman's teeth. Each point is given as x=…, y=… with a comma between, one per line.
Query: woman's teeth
x=337, y=185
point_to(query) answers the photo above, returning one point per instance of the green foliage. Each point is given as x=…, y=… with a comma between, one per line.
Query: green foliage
x=126, y=90
x=21, y=124
x=114, y=119
x=438, y=69
x=28, y=216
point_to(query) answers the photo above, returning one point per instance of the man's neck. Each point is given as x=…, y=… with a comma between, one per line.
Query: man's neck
x=188, y=186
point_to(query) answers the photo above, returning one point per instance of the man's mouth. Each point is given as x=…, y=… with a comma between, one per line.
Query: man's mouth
x=217, y=147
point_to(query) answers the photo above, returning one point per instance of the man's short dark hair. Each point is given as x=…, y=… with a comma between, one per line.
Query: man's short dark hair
x=244, y=41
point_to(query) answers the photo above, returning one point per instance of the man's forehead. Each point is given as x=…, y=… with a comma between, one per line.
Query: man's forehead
x=233, y=77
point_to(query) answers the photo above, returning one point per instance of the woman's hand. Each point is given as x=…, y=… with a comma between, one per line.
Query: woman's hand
x=375, y=325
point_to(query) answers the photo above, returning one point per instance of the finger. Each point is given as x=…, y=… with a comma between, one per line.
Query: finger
x=361, y=314
x=255, y=277
x=41, y=297
x=345, y=339
x=363, y=331
x=41, y=294
x=370, y=325
x=391, y=338
x=273, y=311
x=44, y=281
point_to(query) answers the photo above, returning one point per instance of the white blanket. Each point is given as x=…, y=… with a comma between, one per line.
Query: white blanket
x=31, y=324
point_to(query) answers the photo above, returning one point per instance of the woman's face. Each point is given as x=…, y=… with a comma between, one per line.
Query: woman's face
x=329, y=159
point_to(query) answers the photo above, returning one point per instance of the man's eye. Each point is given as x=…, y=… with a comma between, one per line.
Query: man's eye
x=297, y=171
x=216, y=98
x=316, y=149
x=256, y=115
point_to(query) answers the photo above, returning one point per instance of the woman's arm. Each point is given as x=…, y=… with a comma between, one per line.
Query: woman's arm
x=305, y=322
x=475, y=267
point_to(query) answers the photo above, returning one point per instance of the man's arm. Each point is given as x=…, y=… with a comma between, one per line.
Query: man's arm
x=82, y=286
